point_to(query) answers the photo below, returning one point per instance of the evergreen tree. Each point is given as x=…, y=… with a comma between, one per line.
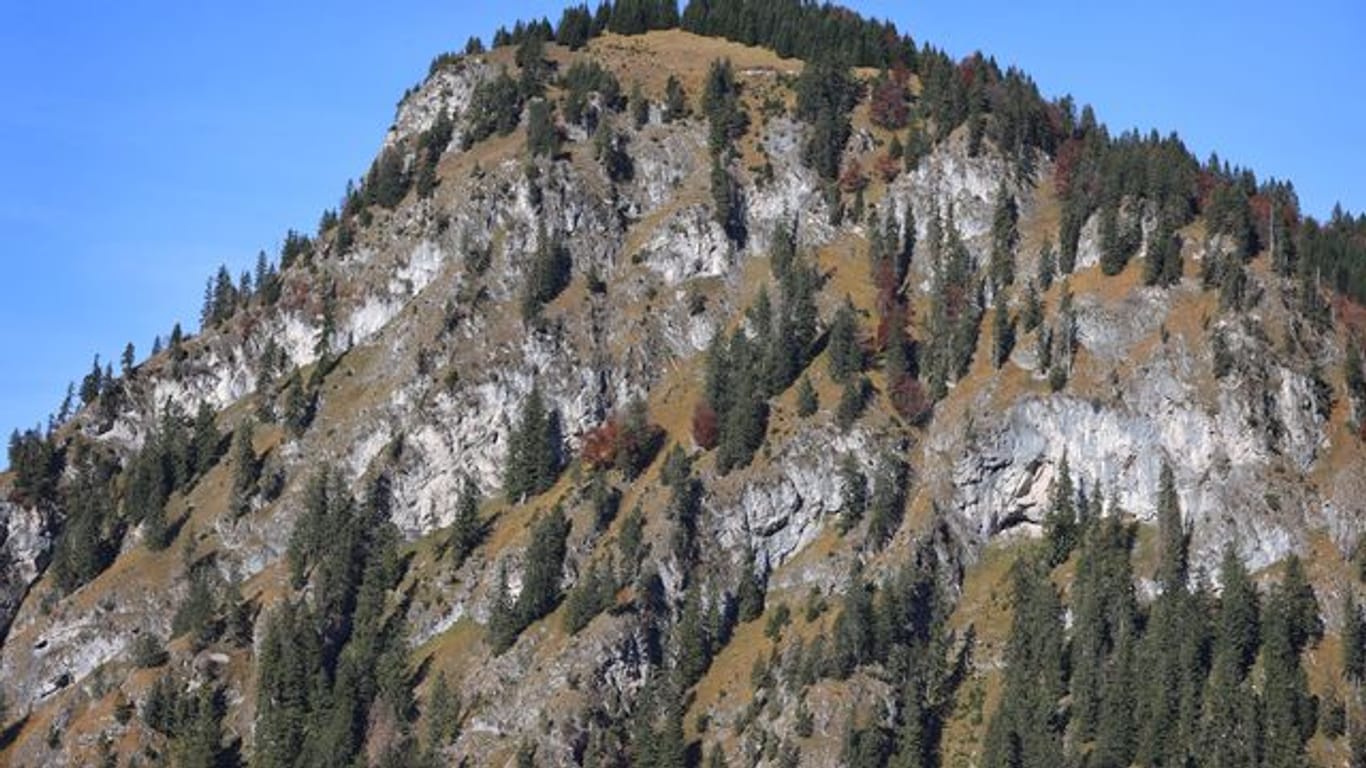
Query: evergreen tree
x=640, y=107
x=728, y=208
x=1105, y=619
x=575, y=27
x=887, y=505
x=1060, y=522
x=533, y=461
x=246, y=469
x=826, y=94
x=1002, y=333
x=443, y=714
x=750, y=592
x=807, y=400
x=853, y=493
x=495, y=108
x=1292, y=620
x=542, y=139
x=544, y=564
x=1353, y=639
x=843, y=352
x=467, y=532
x=1048, y=265
x=675, y=100
x=503, y=626
x=852, y=402
x=549, y=274
x=1004, y=238
x=1172, y=569
x=1026, y=729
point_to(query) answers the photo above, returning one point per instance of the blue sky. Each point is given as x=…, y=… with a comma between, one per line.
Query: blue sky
x=144, y=143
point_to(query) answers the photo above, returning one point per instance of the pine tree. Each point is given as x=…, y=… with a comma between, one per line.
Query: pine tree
x=1060, y=522
x=1290, y=710
x=728, y=210
x=887, y=505
x=246, y=469
x=1353, y=639
x=545, y=562
x=1004, y=238
x=853, y=493
x=467, y=532
x=503, y=624
x=1026, y=729
x=852, y=402
x=541, y=135
x=750, y=592
x=807, y=401
x=675, y=100
x=843, y=352
x=1002, y=333
x=640, y=107
x=533, y=461
x=442, y=714
x=1048, y=265
x=1173, y=568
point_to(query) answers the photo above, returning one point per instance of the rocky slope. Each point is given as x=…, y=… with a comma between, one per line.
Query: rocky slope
x=434, y=361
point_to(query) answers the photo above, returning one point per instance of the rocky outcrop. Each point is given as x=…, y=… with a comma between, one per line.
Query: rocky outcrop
x=1003, y=468
x=25, y=542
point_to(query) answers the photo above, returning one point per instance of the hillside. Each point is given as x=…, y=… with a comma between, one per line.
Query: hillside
x=662, y=397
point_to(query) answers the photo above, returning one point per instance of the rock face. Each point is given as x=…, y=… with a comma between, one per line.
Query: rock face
x=25, y=542
x=1226, y=441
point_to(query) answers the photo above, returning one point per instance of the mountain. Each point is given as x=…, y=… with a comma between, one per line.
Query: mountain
x=662, y=398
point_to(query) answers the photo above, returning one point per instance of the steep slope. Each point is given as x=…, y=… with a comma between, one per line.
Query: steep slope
x=406, y=339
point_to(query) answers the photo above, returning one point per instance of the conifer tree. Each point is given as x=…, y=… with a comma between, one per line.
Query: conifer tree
x=887, y=505
x=1060, y=522
x=807, y=401
x=843, y=352
x=545, y=561
x=1004, y=238
x=541, y=135
x=675, y=100
x=1353, y=639
x=467, y=532
x=853, y=493
x=246, y=468
x=1026, y=729
x=533, y=461
x=1002, y=333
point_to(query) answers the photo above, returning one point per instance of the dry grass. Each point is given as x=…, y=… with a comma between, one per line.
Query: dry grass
x=985, y=606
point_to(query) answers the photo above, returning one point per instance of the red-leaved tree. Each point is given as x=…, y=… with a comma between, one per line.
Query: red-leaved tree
x=706, y=428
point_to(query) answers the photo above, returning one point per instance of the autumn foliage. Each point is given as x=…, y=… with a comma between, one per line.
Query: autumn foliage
x=890, y=106
x=909, y=399
x=600, y=445
x=853, y=179
x=888, y=167
x=626, y=442
x=706, y=428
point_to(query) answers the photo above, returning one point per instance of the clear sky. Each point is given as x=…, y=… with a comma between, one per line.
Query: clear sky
x=143, y=143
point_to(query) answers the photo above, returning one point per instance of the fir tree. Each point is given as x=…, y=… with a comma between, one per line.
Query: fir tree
x=542, y=139
x=1004, y=238
x=843, y=352
x=467, y=532
x=545, y=561
x=1353, y=639
x=675, y=100
x=853, y=493
x=533, y=461
x=807, y=400
x=1026, y=729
